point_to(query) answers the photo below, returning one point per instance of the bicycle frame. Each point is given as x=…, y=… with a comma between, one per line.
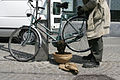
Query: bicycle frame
x=37, y=21
x=29, y=36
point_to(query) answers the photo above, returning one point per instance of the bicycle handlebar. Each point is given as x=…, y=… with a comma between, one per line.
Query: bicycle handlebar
x=63, y=5
x=29, y=1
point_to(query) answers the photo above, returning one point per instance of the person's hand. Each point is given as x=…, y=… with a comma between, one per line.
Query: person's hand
x=78, y=8
x=80, y=11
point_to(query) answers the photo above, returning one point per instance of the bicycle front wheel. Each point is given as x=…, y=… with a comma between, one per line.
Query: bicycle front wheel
x=23, y=44
x=74, y=34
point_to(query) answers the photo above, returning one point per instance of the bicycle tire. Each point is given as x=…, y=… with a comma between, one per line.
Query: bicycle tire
x=74, y=34
x=20, y=51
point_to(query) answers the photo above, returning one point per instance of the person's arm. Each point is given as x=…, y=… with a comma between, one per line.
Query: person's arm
x=90, y=5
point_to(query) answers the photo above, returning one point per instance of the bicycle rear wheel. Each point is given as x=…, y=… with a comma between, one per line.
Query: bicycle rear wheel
x=23, y=44
x=74, y=34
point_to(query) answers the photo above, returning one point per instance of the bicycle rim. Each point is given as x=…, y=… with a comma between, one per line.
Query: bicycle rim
x=74, y=34
x=23, y=44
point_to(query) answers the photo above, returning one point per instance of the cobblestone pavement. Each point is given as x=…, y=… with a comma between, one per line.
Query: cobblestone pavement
x=48, y=70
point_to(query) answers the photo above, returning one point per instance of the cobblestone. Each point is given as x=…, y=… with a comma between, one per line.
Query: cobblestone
x=48, y=70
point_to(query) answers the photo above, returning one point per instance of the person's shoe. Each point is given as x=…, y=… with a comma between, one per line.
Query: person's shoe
x=91, y=64
x=87, y=57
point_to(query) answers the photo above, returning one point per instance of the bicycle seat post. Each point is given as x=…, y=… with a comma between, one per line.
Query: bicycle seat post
x=60, y=26
x=62, y=6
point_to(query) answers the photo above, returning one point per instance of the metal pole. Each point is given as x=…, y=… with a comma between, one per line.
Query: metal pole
x=36, y=8
x=48, y=14
x=44, y=50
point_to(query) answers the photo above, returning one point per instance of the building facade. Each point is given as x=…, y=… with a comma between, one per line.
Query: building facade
x=115, y=10
x=113, y=4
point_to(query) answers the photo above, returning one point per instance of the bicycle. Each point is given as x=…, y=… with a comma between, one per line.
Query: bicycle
x=24, y=41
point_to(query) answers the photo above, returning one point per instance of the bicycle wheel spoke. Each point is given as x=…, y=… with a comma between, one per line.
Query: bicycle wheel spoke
x=23, y=46
x=74, y=34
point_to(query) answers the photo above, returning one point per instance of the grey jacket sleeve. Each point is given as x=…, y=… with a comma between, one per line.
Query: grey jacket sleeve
x=90, y=5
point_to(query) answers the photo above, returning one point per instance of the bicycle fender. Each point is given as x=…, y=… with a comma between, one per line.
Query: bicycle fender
x=38, y=33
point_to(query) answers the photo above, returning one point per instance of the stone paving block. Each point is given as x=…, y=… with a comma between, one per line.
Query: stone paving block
x=48, y=70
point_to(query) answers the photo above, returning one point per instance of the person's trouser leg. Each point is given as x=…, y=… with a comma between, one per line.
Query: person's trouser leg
x=96, y=48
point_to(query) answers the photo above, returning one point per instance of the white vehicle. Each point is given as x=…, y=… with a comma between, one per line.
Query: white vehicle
x=13, y=15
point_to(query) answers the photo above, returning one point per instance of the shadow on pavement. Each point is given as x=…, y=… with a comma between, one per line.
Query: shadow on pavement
x=4, y=39
x=8, y=57
x=92, y=77
x=78, y=59
x=51, y=60
x=75, y=59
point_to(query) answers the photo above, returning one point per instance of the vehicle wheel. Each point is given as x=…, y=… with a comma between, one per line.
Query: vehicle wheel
x=24, y=33
x=74, y=34
x=23, y=45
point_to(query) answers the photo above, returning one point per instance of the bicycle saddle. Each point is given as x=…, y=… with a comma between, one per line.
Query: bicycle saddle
x=63, y=5
x=30, y=0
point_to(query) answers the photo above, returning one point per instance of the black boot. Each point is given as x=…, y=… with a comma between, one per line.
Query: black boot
x=91, y=64
x=87, y=57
